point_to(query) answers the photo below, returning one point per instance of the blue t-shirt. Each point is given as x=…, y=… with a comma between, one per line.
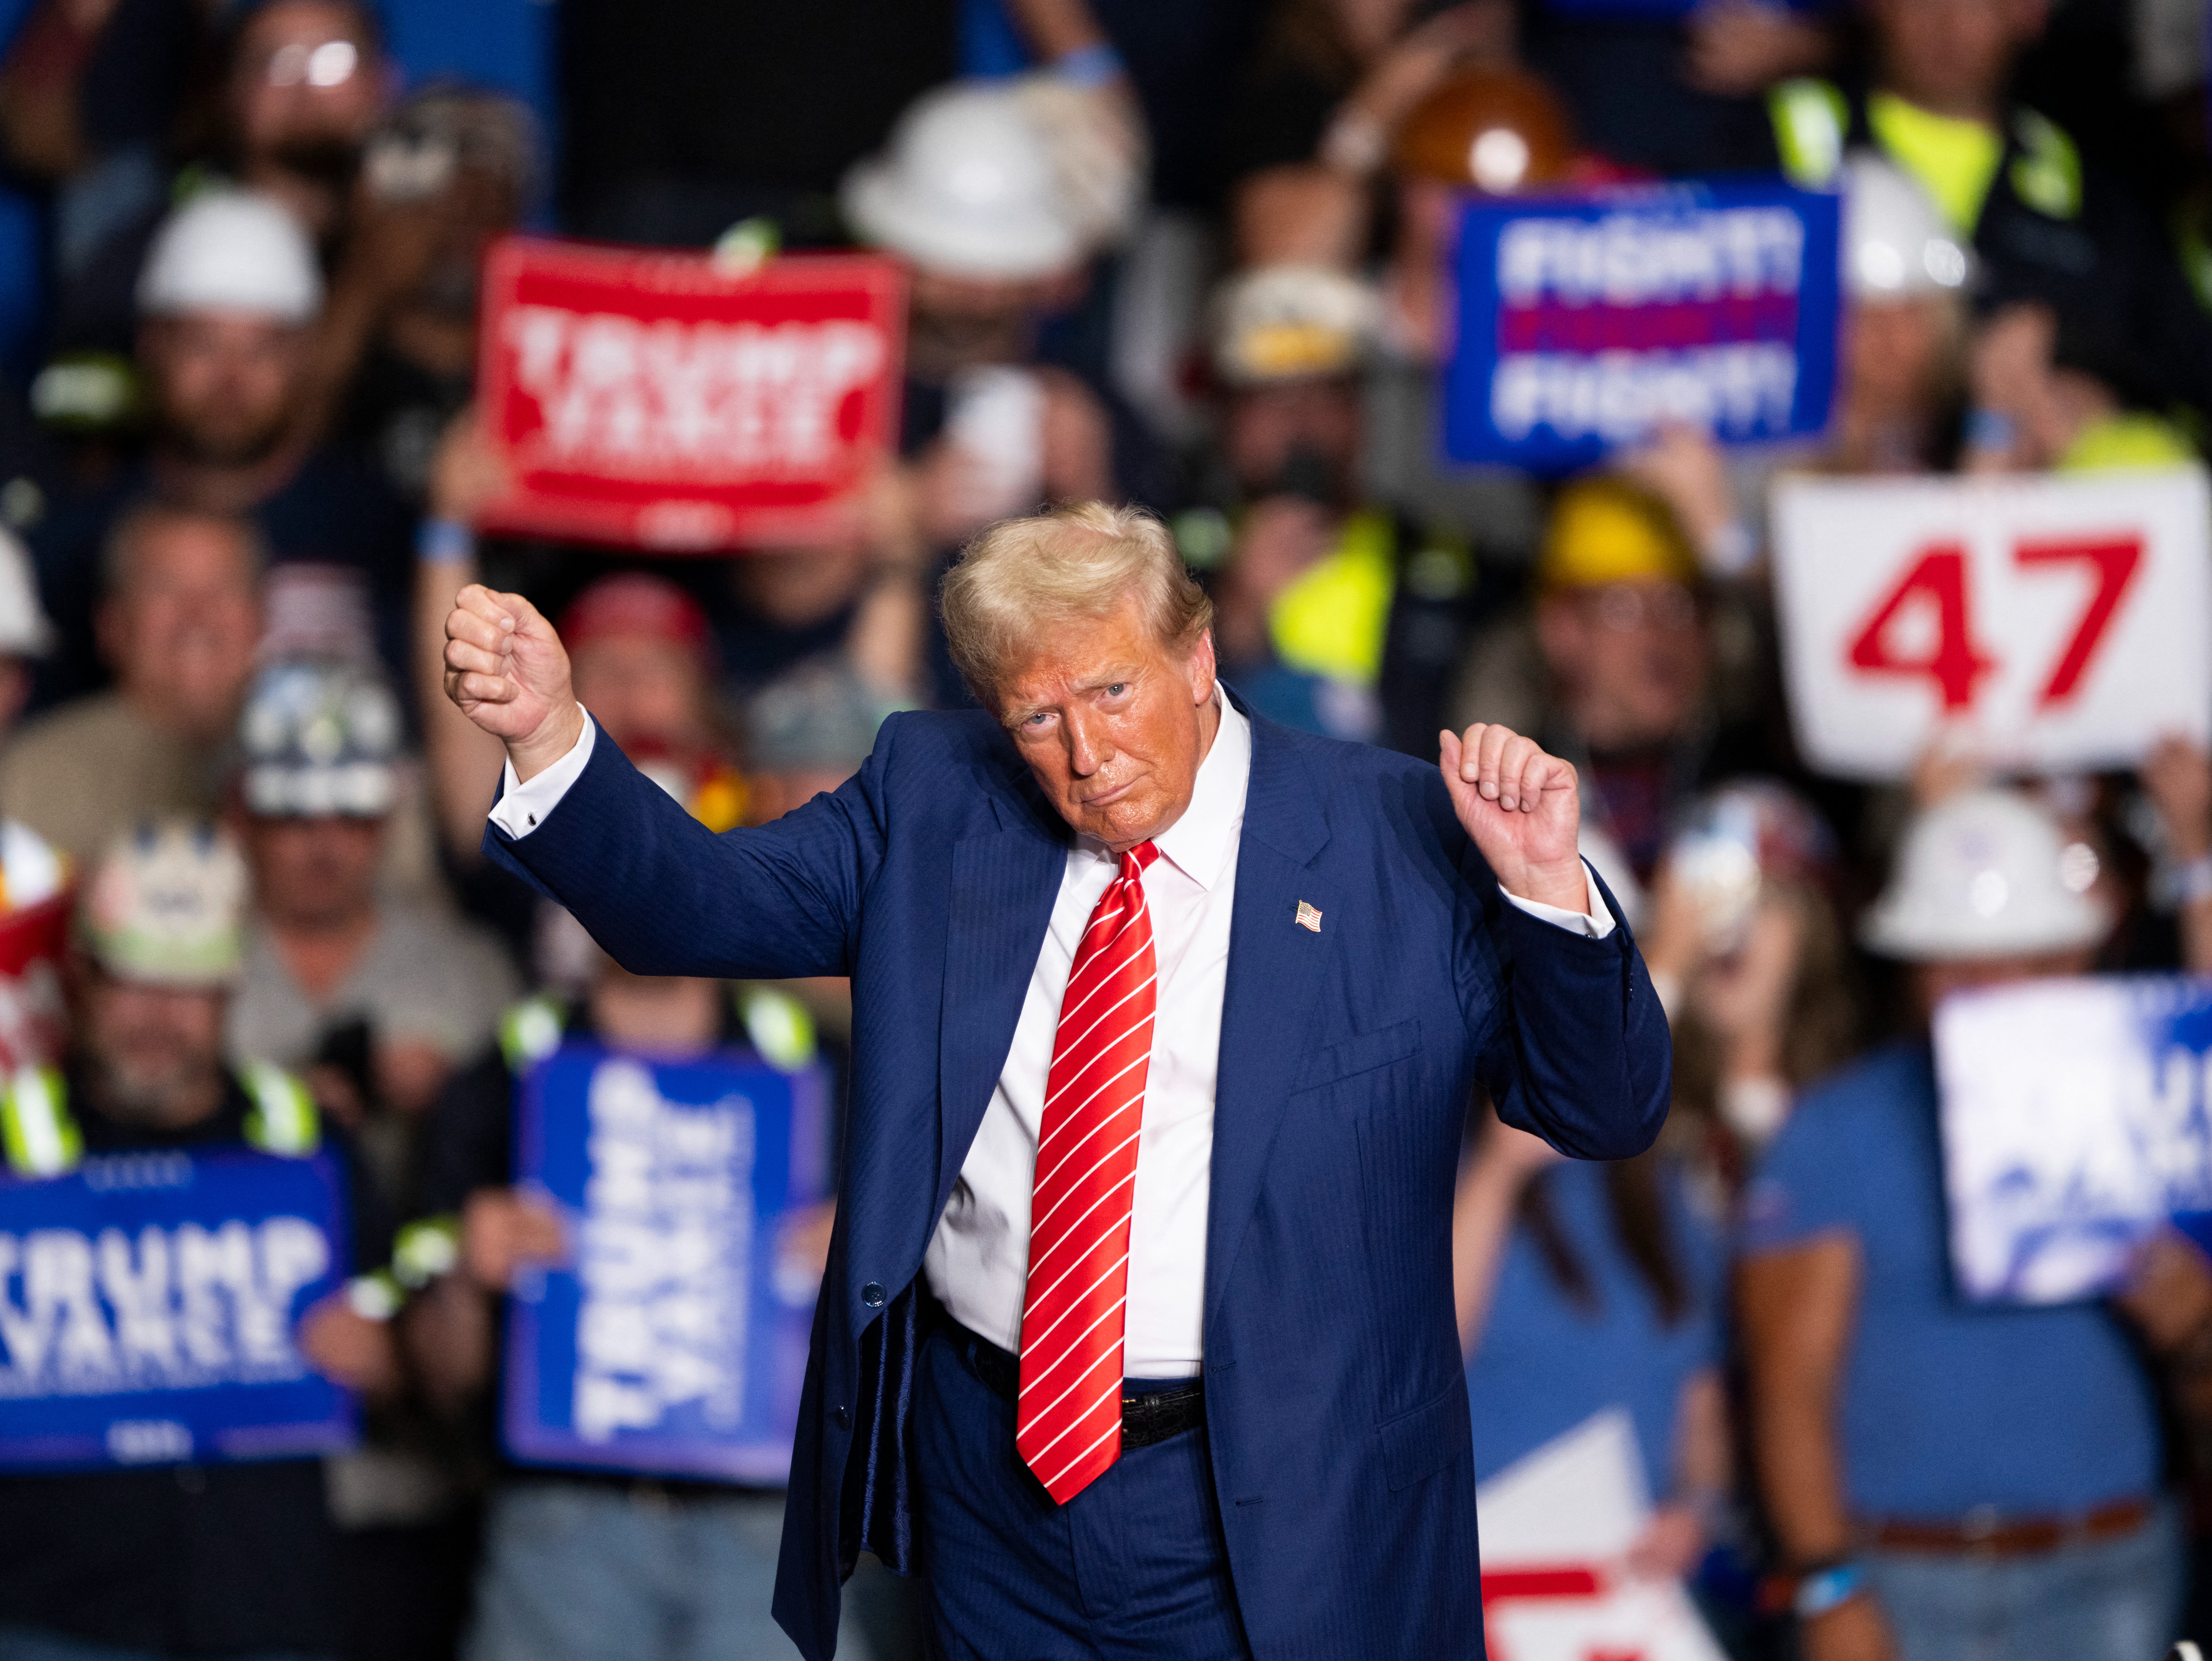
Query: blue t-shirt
x=1947, y=1406
x=1544, y=1363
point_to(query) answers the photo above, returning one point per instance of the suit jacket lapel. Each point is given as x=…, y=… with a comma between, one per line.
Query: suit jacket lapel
x=1275, y=969
x=1004, y=883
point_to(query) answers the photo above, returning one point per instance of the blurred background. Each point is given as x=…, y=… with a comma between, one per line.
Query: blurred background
x=1198, y=257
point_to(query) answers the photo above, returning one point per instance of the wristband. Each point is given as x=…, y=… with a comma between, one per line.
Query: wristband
x=1991, y=430
x=1094, y=65
x=445, y=542
x=1825, y=1589
x=2193, y=881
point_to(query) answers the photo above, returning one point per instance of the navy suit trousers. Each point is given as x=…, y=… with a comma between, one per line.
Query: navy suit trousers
x=1133, y=1567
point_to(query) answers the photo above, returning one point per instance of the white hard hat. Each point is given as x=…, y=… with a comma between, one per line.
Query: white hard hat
x=319, y=738
x=231, y=251
x=1985, y=873
x=967, y=186
x=25, y=632
x=1280, y=322
x=1896, y=245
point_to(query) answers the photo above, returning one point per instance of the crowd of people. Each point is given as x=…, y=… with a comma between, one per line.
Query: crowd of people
x=1196, y=257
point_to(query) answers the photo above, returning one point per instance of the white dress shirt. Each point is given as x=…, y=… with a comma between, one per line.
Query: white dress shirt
x=978, y=1259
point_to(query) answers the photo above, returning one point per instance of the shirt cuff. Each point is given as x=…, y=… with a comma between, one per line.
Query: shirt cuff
x=1593, y=925
x=521, y=808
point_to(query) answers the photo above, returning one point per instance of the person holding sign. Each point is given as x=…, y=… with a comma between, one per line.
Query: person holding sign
x=1165, y=1021
x=575, y=1563
x=197, y=1558
x=1945, y=1478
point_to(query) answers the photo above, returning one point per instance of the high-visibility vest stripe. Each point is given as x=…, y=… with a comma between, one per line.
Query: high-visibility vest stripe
x=779, y=1026
x=529, y=1032
x=40, y=1137
x=1811, y=119
x=283, y=1120
x=425, y=1250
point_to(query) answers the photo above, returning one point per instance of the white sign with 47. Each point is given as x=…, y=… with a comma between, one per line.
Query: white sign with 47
x=2060, y=624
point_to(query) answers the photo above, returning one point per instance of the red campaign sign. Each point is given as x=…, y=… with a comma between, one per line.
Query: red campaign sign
x=653, y=400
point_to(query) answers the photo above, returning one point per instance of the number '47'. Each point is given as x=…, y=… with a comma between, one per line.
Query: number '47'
x=1937, y=581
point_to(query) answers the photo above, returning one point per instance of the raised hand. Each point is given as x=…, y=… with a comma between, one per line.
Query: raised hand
x=507, y=672
x=1523, y=809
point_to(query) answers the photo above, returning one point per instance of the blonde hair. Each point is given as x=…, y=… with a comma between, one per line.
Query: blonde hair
x=1081, y=562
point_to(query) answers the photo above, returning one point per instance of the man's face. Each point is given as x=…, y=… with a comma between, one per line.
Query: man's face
x=181, y=630
x=1898, y=356
x=954, y=322
x=642, y=691
x=156, y=1052
x=307, y=87
x=1932, y=982
x=225, y=384
x=314, y=873
x=1112, y=722
x=1630, y=659
x=1952, y=56
x=1302, y=437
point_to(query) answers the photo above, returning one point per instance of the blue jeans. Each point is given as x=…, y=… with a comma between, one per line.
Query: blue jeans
x=29, y=1643
x=586, y=1572
x=2113, y=1600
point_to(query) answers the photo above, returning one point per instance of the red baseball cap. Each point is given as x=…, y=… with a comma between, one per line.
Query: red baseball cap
x=632, y=604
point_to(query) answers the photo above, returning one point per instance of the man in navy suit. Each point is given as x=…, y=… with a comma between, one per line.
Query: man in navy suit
x=1137, y=1335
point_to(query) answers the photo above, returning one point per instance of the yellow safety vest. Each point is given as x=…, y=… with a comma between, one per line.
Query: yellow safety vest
x=40, y=1138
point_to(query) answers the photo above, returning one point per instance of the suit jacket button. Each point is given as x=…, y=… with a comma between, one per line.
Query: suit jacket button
x=872, y=1295
x=843, y=1418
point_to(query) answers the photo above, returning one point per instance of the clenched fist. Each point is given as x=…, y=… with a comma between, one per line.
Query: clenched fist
x=1523, y=809
x=507, y=672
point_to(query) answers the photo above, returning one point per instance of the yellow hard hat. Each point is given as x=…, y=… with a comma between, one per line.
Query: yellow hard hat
x=1606, y=530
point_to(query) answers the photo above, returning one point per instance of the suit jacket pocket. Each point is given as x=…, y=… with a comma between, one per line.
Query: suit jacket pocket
x=1362, y=1054
x=1420, y=1444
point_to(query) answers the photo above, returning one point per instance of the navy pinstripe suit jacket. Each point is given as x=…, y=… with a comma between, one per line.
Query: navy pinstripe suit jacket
x=1336, y=1401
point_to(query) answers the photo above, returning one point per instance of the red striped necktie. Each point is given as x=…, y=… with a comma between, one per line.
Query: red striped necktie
x=1068, y=1424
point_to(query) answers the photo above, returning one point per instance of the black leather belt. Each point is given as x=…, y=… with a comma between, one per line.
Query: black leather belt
x=1151, y=1416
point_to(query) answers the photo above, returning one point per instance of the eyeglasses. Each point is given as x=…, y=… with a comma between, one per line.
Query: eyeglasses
x=330, y=64
x=1626, y=605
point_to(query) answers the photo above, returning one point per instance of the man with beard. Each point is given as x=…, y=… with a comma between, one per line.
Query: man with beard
x=213, y=1559
x=328, y=954
x=228, y=304
x=1335, y=614
x=177, y=623
x=301, y=85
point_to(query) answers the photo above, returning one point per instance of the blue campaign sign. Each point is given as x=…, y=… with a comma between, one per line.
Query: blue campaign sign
x=673, y=1340
x=2077, y=1118
x=1585, y=322
x=148, y=1304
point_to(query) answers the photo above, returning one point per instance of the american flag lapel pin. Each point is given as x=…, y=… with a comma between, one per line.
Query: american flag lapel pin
x=1308, y=917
